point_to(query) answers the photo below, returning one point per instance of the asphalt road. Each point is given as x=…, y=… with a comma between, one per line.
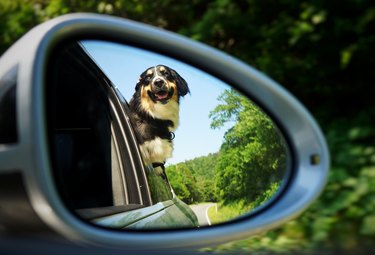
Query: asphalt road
x=201, y=210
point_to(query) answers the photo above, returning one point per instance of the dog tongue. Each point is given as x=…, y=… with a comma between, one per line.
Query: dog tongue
x=161, y=95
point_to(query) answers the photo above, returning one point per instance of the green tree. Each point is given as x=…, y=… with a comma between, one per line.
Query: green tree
x=193, y=181
x=177, y=181
x=19, y=16
x=319, y=50
x=204, y=170
x=16, y=18
x=184, y=183
x=253, y=155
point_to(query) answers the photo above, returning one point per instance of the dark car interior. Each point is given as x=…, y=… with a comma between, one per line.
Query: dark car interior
x=87, y=152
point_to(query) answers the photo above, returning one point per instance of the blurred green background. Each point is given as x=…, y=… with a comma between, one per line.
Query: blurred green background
x=322, y=51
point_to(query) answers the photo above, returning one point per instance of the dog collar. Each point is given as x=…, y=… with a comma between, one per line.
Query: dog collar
x=157, y=164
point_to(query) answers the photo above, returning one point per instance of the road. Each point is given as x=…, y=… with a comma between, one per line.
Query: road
x=201, y=210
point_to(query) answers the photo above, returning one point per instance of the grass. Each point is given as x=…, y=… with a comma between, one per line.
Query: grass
x=227, y=212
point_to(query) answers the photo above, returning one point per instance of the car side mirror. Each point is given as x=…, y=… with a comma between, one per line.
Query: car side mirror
x=67, y=133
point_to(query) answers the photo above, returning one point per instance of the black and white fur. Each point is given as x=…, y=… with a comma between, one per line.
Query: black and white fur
x=155, y=111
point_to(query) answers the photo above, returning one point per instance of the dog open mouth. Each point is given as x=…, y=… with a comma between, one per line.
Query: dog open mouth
x=161, y=95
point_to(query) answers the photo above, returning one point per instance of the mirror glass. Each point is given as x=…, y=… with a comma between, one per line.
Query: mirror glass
x=139, y=140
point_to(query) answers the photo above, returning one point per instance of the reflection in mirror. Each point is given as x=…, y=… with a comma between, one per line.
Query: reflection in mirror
x=139, y=140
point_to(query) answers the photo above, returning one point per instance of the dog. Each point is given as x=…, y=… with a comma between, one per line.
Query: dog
x=154, y=111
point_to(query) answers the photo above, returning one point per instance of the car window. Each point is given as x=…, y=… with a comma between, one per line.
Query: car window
x=88, y=138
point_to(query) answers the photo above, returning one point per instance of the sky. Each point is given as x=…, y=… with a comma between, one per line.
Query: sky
x=194, y=137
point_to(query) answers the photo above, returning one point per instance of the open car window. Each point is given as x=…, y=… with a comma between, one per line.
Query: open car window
x=90, y=140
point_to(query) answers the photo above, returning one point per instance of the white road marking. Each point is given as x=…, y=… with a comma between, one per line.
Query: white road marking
x=201, y=210
x=208, y=218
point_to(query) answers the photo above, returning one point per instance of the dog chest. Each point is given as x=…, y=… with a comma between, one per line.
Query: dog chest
x=157, y=150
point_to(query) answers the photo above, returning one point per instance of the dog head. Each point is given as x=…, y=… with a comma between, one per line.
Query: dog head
x=162, y=84
x=157, y=94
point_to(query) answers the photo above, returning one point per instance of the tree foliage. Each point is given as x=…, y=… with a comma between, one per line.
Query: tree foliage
x=253, y=154
x=194, y=180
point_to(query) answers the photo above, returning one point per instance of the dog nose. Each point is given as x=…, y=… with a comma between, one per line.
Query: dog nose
x=159, y=82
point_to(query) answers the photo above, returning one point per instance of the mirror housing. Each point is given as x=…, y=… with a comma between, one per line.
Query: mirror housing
x=26, y=179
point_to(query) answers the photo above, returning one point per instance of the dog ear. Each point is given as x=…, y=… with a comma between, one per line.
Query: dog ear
x=139, y=83
x=182, y=85
x=142, y=79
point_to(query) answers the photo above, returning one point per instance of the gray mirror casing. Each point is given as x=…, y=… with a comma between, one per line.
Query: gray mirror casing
x=29, y=155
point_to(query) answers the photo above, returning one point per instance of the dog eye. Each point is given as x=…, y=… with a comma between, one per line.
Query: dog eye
x=166, y=74
x=146, y=79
